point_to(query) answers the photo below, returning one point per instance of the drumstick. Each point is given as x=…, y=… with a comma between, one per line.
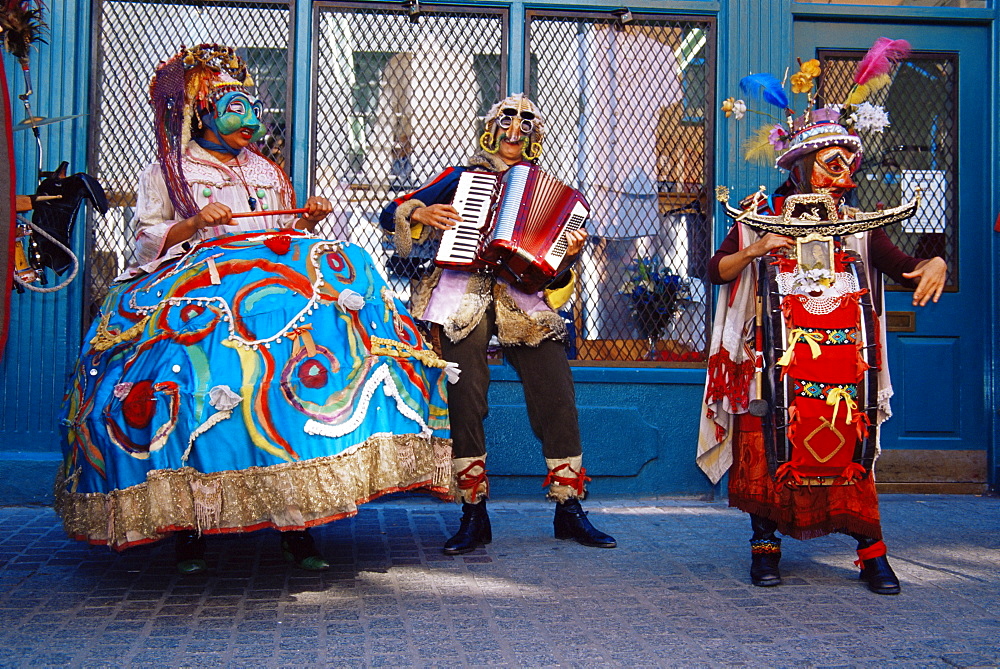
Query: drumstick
x=276, y=212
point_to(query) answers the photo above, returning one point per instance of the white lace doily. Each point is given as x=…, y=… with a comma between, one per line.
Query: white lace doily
x=844, y=284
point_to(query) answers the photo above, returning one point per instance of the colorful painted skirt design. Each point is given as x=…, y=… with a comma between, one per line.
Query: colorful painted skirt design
x=261, y=380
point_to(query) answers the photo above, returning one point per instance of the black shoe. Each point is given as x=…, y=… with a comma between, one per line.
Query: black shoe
x=766, y=553
x=298, y=547
x=571, y=523
x=765, y=549
x=879, y=575
x=473, y=532
x=189, y=551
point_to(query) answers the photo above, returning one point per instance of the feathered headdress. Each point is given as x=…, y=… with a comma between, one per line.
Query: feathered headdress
x=765, y=87
x=182, y=89
x=22, y=24
x=788, y=138
x=872, y=72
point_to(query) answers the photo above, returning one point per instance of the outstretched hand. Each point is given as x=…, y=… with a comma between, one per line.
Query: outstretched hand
x=931, y=276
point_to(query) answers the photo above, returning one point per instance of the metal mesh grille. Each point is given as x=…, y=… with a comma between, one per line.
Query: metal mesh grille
x=397, y=101
x=132, y=38
x=918, y=149
x=626, y=124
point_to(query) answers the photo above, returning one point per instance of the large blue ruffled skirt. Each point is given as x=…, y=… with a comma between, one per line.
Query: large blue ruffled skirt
x=261, y=380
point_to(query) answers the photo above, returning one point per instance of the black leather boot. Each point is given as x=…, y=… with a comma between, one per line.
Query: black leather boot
x=298, y=547
x=571, y=523
x=189, y=552
x=875, y=571
x=473, y=532
x=765, y=553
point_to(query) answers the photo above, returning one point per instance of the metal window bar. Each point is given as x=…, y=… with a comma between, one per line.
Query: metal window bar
x=398, y=97
x=628, y=102
x=130, y=38
x=918, y=148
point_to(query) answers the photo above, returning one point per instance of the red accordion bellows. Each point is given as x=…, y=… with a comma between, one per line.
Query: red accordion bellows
x=520, y=233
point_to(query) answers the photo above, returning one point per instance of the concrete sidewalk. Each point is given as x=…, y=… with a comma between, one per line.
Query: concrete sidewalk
x=675, y=593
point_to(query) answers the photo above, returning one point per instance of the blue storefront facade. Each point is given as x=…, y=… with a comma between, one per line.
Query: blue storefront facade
x=337, y=97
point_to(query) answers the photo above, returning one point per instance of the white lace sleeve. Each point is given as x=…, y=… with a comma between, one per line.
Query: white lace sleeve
x=154, y=216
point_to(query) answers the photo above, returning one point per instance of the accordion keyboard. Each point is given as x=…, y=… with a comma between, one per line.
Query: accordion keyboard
x=473, y=201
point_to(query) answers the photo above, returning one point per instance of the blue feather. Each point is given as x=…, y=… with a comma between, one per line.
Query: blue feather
x=765, y=86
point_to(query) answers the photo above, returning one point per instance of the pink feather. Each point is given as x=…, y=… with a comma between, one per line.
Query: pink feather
x=880, y=58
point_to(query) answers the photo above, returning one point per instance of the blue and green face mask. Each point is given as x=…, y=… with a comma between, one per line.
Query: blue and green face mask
x=233, y=112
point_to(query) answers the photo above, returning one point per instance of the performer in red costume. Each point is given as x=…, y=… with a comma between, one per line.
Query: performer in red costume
x=795, y=465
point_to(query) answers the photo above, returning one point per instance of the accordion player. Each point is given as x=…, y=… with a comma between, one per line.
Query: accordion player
x=514, y=224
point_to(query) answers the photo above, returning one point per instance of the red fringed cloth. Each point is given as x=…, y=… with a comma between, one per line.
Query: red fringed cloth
x=803, y=512
x=729, y=378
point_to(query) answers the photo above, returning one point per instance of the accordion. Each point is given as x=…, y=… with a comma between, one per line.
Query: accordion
x=514, y=224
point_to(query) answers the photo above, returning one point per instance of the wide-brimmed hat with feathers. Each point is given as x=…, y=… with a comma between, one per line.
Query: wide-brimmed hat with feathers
x=793, y=136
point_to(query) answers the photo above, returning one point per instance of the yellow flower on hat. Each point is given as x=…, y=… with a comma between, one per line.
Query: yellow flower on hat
x=801, y=82
x=810, y=68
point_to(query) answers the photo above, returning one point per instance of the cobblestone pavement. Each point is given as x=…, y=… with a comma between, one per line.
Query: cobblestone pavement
x=675, y=593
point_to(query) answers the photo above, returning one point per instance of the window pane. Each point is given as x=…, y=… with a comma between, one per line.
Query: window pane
x=626, y=125
x=397, y=101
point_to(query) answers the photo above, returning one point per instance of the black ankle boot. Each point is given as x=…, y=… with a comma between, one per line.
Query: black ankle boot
x=298, y=547
x=571, y=523
x=875, y=571
x=765, y=553
x=473, y=532
x=764, y=558
x=880, y=576
x=189, y=552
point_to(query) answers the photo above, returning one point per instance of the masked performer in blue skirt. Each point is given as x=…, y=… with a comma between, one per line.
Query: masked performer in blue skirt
x=244, y=373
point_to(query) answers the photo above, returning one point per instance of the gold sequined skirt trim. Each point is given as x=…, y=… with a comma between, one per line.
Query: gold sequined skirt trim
x=283, y=496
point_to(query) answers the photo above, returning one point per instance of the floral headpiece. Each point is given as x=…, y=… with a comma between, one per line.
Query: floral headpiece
x=791, y=137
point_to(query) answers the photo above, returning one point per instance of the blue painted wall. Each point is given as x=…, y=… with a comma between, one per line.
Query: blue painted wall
x=639, y=424
x=44, y=336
